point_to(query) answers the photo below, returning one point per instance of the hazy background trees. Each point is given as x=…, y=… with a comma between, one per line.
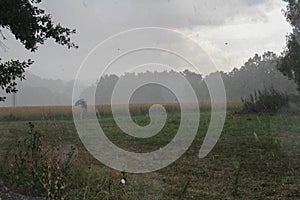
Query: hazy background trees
x=258, y=73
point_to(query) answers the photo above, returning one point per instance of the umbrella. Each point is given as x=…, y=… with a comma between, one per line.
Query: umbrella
x=79, y=102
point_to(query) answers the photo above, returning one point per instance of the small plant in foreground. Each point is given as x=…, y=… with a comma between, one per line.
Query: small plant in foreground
x=35, y=167
x=237, y=167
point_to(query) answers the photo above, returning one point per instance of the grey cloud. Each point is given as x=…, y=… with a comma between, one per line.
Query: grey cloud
x=177, y=13
x=95, y=20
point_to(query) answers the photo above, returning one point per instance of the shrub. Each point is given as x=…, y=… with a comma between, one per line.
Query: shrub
x=35, y=167
x=41, y=166
x=264, y=101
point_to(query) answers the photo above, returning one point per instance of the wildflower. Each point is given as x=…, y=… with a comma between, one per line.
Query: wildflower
x=123, y=181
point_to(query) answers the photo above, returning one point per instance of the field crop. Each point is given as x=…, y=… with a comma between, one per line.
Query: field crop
x=65, y=112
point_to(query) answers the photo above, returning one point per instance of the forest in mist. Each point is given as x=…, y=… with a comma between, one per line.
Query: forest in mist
x=257, y=73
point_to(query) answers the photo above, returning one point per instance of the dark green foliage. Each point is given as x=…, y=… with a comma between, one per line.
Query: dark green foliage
x=267, y=100
x=10, y=71
x=289, y=63
x=31, y=26
x=292, y=13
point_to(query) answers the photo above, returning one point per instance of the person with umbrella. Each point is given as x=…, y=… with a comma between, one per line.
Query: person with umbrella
x=83, y=105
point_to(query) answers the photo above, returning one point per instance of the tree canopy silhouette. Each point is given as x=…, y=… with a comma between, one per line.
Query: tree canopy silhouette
x=31, y=26
x=289, y=63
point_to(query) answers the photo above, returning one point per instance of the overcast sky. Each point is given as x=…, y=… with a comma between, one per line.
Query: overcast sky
x=227, y=31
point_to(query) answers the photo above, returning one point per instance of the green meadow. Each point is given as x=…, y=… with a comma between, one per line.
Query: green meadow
x=256, y=157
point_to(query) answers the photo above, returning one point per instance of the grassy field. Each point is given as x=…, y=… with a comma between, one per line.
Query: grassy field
x=257, y=157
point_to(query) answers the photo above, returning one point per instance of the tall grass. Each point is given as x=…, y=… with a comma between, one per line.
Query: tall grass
x=262, y=101
x=65, y=112
x=35, y=112
x=41, y=166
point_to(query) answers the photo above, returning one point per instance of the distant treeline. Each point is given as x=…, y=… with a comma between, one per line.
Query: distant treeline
x=257, y=73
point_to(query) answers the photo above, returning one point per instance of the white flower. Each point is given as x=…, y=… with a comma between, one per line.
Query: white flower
x=123, y=181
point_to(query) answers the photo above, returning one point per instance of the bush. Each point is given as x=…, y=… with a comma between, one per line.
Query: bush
x=36, y=168
x=264, y=101
x=45, y=167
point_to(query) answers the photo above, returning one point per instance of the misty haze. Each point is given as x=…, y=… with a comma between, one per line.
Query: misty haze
x=170, y=99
